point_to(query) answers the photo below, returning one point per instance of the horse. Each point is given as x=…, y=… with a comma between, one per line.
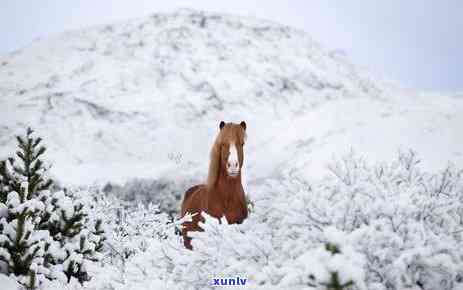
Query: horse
x=223, y=193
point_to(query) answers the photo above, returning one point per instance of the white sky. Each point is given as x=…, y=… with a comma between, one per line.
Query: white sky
x=417, y=42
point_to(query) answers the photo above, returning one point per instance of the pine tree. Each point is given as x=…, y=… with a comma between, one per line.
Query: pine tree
x=43, y=234
x=69, y=225
x=21, y=185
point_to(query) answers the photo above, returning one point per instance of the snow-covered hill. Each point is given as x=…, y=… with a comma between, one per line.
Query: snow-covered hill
x=143, y=98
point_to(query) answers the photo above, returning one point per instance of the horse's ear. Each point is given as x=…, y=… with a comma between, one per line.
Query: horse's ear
x=221, y=125
x=243, y=125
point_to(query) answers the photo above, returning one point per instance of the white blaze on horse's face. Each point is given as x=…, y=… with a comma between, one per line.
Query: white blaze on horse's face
x=233, y=164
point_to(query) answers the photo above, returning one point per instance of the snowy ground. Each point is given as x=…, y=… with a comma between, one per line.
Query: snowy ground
x=143, y=99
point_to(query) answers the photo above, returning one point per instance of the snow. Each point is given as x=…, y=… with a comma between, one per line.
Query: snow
x=327, y=156
x=8, y=283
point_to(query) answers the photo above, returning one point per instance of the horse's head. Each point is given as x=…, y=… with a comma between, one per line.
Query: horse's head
x=231, y=141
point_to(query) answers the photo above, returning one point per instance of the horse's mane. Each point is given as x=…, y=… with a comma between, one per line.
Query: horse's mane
x=228, y=132
x=214, y=164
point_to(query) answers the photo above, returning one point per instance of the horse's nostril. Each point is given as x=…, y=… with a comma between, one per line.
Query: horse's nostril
x=232, y=165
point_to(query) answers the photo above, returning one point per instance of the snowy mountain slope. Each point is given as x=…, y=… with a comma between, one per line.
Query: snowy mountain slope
x=143, y=98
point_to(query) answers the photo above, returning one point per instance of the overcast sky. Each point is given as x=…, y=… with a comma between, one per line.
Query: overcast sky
x=417, y=42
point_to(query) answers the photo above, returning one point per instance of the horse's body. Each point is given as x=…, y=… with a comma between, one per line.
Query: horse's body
x=223, y=194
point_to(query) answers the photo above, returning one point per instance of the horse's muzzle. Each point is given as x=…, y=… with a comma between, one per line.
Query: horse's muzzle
x=233, y=173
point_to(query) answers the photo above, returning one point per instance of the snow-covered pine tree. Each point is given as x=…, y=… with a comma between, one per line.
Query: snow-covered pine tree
x=22, y=183
x=77, y=239
x=43, y=234
x=334, y=264
x=66, y=218
x=334, y=282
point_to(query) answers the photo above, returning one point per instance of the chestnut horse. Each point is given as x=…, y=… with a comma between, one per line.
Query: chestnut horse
x=223, y=193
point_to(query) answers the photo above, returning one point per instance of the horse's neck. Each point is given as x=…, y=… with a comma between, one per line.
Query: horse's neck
x=227, y=189
x=224, y=183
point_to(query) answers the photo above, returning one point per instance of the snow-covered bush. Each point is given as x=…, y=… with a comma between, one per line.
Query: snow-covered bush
x=384, y=226
x=132, y=230
x=133, y=233
x=335, y=265
x=164, y=192
x=409, y=224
